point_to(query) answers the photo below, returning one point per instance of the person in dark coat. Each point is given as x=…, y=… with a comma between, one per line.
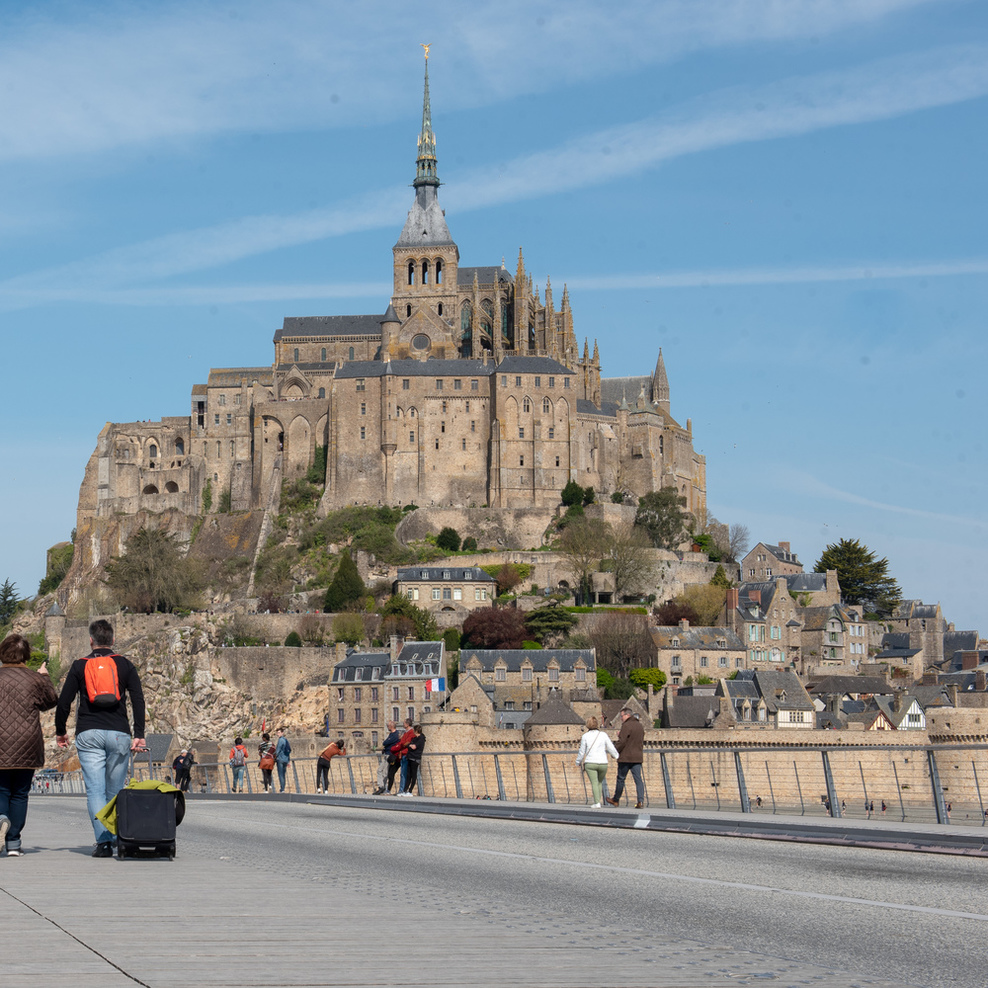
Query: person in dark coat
x=389, y=762
x=630, y=746
x=414, y=750
x=24, y=693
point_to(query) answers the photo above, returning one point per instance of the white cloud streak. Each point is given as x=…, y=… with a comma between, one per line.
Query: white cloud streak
x=878, y=91
x=78, y=79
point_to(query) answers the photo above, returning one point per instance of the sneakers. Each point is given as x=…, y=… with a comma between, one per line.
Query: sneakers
x=595, y=806
x=318, y=790
x=14, y=852
x=103, y=850
x=4, y=826
x=405, y=792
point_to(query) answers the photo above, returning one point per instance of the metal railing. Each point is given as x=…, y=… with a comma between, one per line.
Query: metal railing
x=922, y=783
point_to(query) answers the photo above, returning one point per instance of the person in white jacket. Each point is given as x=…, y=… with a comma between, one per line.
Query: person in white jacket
x=595, y=746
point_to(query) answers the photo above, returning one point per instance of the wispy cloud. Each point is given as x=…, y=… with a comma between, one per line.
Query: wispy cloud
x=88, y=79
x=877, y=91
x=806, y=485
x=782, y=276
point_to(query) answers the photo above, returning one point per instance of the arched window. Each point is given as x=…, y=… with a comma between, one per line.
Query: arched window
x=150, y=489
x=466, y=319
x=425, y=272
x=350, y=354
x=439, y=274
x=408, y=310
x=411, y=272
x=322, y=354
x=295, y=352
x=171, y=487
x=179, y=447
x=526, y=405
x=322, y=392
x=546, y=406
x=153, y=453
x=440, y=308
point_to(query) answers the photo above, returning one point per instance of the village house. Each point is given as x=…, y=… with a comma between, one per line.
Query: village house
x=446, y=588
x=686, y=653
x=765, y=562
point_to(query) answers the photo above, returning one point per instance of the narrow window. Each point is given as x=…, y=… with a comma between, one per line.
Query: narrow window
x=363, y=408
x=363, y=432
x=408, y=310
x=322, y=392
x=526, y=405
x=440, y=308
x=222, y=399
x=565, y=382
x=538, y=382
x=411, y=276
x=546, y=406
x=350, y=353
x=322, y=354
x=153, y=451
x=521, y=433
x=216, y=419
x=411, y=437
x=552, y=432
x=517, y=382
x=437, y=444
x=295, y=351
x=442, y=425
x=473, y=425
x=425, y=272
x=361, y=384
x=521, y=461
x=464, y=443
x=474, y=385
x=439, y=279
x=457, y=384
x=552, y=382
x=557, y=461
x=229, y=419
x=439, y=384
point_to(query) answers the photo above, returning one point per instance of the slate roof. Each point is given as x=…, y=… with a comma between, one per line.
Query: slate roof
x=617, y=388
x=555, y=710
x=302, y=326
x=692, y=711
x=486, y=275
x=585, y=407
x=421, y=652
x=434, y=574
x=931, y=696
x=425, y=225
x=833, y=685
x=539, y=658
x=806, y=582
x=959, y=641
x=532, y=365
x=434, y=367
x=696, y=637
x=772, y=685
x=346, y=669
x=231, y=377
x=816, y=618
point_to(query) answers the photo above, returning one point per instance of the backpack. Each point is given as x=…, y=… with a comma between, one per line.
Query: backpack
x=102, y=681
x=239, y=758
x=288, y=746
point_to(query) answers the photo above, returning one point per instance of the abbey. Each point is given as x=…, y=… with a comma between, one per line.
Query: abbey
x=470, y=389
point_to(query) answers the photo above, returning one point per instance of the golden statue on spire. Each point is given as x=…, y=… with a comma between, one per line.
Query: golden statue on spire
x=426, y=47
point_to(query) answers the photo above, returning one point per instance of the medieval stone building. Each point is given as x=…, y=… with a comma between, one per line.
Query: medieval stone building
x=469, y=389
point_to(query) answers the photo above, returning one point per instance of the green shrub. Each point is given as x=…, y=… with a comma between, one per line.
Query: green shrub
x=448, y=539
x=293, y=640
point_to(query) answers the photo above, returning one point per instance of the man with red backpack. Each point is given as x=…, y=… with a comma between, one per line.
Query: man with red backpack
x=102, y=681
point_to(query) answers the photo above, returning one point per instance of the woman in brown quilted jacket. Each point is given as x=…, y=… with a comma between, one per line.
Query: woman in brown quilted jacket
x=23, y=695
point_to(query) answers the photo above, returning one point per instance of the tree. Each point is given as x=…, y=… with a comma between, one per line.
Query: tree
x=589, y=496
x=448, y=539
x=631, y=560
x=672, y=612
x=707, y=544
x=294, y=640
x=494, y=627
x=661, y=515
x=547, y=624
x=572, y=494
x=739, y=538
x=423, y=623
x=584, y=543
x=469, y=544
x=347, y=586
x=614, y=687
x=706, y=600
x=348, y=627
x=8, y=601
x=154, y=575
x=863, y=578
x=507, y=578
x=721, y=579
x=643, y=678
x=622, y=642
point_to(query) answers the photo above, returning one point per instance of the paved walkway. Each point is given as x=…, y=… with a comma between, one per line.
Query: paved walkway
x=227, y=913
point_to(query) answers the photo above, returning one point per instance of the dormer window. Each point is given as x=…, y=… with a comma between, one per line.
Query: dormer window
x=675, y=643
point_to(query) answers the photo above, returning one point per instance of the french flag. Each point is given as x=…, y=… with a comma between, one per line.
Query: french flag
x=436, y=685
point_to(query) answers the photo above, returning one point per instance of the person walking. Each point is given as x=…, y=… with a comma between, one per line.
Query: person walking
x=595, y=746
x=102, y=681
x=282, y=756
x=415, y=748
x=24, y=693
x=265, y=753
x=182, y=767
x=630, y=746
x=388, y=763
x=322, y=763
x=238, y=763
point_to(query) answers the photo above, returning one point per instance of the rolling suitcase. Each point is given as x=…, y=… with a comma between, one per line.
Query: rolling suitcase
x=146, y=821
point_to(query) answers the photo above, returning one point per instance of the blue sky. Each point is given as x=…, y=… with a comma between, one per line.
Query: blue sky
x=785, y=195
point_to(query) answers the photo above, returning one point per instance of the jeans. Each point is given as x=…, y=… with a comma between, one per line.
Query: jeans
x=322, y=773
x=636, y=773
x=412, y=777
x=596, y=772
x=103, y=757
x=382, y=769
x=238, y=776
x=15, y=784
x=282, y=769
x=404, y=774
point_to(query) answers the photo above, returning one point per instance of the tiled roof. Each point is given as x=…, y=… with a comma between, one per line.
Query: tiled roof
x=538, y=658
x=301, y=326
x=436, y=574
x=696, y=637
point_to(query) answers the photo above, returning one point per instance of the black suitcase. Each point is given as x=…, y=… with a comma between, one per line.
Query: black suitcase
x=146, y=820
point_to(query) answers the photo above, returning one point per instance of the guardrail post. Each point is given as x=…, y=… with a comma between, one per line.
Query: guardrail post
x=941, y=806
x=977, y=785
x=548, y=781
x=828, y=776
x=500, y=778
x=353, y=782
x=298, y=788
x=667, y=782
x=742, y=788
x=456, y=778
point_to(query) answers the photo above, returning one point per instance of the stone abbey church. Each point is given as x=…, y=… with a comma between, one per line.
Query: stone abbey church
x=470, y=389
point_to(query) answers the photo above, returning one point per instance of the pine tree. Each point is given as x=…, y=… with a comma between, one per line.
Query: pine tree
x=8, y=601
x=347, y=586
x=863, y=578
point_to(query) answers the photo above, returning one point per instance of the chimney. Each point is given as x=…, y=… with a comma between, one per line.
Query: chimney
x=684, y=624
x=732, y=599
x=952, y=691
x=396, y=645
x=784, y=546
x=969, y=660
x=755, y=596
x=340, y=651
x=979, y=680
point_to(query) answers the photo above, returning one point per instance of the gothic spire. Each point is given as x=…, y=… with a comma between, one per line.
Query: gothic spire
x=425, y=166
x=660, y=384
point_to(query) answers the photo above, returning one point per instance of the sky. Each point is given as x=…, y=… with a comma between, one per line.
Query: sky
x=786, y=196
